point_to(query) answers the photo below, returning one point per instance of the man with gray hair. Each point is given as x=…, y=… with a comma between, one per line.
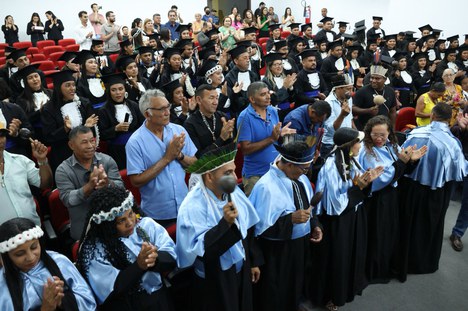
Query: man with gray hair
x=157, y=154
x=259, y=128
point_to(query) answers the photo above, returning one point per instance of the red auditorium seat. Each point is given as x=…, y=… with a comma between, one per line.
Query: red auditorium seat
x=2, y=61
x=405, y=116
x=263, y=45
x=72, y=48
x=135, y=191
x=2, y=53
x=36, y=58
x=239, y=161
x=3, y=46
x=42, y=44
x=58, y=212
x=45, y=65
x=113, y=57
x=52, y=49
x=262, y=40
x=285, y=34
x=32, y=50
x=47, y=73
x=66, y=42
x=22, y=45
x=54, y=58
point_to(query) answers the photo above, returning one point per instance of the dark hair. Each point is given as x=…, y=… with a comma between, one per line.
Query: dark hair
x=5, y=91
x=171, y=11
x=442, y=112
x=321, y=108
x=50, y=13
x=27, y=95
x=81, y=129
x=174, y=7
x=135, y=22
x=379, y=120
x=57, y=95
x=13, y=278
x=39, y=23
x=80, y=14
x=164, y=34
x=255, y=87
x=93, y=5
x=108, y=13
x=170, y=95
x=202, y=88
x=438, y=87
x=347, y=137
x=286, y=12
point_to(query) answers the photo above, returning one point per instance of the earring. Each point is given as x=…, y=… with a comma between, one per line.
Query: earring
x=126, y=95
x=209, y=81
x=351, y=154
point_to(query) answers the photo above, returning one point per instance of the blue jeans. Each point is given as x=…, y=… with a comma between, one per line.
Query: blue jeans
x=462, y=220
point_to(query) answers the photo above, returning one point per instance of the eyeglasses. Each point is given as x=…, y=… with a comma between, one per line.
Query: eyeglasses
x=303, y=169
x=448, y=75
x=162, y=109
x=378, y=135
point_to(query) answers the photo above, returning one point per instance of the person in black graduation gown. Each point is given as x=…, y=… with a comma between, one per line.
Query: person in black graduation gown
x=240, y=75
x=355, y=64
x=14, y=119
x=254, y=65
x=402, y=81
x=173, y=70
x=306, y=30
x=208, y=127
x=337, y=271
x=106, y=65
x=367, y=57
x=135, y=85
x=275, y=35
x=63, y=112
x=422, y=73
x=462, y=62
x=448, y=62
x=280, y=84
x=390, y=46
x=376, y=30
x=33, y=98
x=90, y=85
x=189, y=60
x=118, y=118
x=326, y=32
x=310, y=84
x=147, y=66
x=322, y=53
x=335, y=64
x=289, y=64
x=180, y=106
x=296, y=46
x=7, y=70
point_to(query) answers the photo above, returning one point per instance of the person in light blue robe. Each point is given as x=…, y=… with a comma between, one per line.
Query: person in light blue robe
x=122, y=258
x=426, y=191
x=282, y=198
x=215, y=236
x=32, y=277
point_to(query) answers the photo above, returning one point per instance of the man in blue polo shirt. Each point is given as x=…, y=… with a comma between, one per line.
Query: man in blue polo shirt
x=156, y=156
x=172, y=24
x=259, y=128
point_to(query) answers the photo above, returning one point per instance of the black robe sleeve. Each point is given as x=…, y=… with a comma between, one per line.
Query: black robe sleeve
x=165, y=262
x=219, y=239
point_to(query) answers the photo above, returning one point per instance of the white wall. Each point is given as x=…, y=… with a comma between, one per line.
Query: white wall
x=399, y=15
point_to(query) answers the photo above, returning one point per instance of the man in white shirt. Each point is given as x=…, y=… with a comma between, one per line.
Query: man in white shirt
x=84, y=33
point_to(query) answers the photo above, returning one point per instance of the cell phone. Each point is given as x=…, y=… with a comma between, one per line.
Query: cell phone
x=127, y=116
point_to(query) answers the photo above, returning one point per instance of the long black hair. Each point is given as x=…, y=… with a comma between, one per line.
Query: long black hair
x=13, y=278
x=27, y=94
x=379, y=120
x=345, y=138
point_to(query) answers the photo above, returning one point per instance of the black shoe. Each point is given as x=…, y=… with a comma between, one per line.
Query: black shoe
x=457, y=244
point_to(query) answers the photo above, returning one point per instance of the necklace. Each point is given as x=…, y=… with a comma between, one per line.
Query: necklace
x=2, y=176
x=212, y=131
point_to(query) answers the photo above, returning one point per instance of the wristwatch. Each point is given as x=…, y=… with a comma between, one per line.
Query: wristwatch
x=181, y=157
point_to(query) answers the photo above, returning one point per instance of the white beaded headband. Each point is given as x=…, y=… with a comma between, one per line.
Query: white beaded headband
x=115, y=211
x=213, y=70
x=20, y=239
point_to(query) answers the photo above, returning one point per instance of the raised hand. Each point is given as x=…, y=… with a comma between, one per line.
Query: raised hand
x=405, y=154
x=224, y=89
x=227, y=129
x=275, y=134
x=286, y=130
x=147, y=256
x=92, y=120
x=237, y=87
x=418, y=153
x=14, y=127
x=39, y=150
x=230, y=212
x=67, y=123
x=122, y=127
x=175, y=147
x=301, y=216
x=289, y=80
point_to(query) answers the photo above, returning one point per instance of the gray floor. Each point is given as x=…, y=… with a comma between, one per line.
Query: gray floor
x=447, y=289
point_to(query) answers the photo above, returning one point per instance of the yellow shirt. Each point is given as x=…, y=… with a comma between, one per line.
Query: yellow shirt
x=428, y=105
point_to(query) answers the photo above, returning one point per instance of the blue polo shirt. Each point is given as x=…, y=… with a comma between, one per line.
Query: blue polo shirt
x=253, y=128
x=162, y=196
x=172, y=28
x=300, y=121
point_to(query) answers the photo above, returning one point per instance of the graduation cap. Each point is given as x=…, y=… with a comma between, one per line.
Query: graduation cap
x=213, y=159
x=14, y=55
x=453, y=38
x=83, y=56
x=425, y=38
x=171, y=51
x=437, y=31
x=95, y=42
x=209, y=44
x=295, y=41
x=359, y=26
x=326, y=19
x=348, y=37
x=343, y=24
x=279, y=44
x=182, y=28
x=271, y=57
x=411, y=39
x=145, y=49
x=246, y=43
x=67, y=56
x=334, y=44
x=124, y=43
x=209, y=67
x=308, y=53
x=183, y=42
x=347, y=136
x=294, y=25
x=274, y=26
x=390, y=37
x=154, y=36
x=61, y=77
x=409, y=34
x=170, y=87
x=387, y=60
x=399, y=55
x=305, y=26
x=26, y=71
x=123, y=61
x=9, y=49
x=440, y=41
x=237, y=51
x=425, y=27
x=450, y=51
x=249, y=30
x=356, y=47
x=115, y=78
x=212, y=32
x=462, y=48
x=419, y=55
x=377, y=18
x=318, y=42
x=206, y=52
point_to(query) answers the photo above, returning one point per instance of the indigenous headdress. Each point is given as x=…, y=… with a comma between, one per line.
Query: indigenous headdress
x=20, y=239
x=214, y=159
x=297, y=149
x=114, y=212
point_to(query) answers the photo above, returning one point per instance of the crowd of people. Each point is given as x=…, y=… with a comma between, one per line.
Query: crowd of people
x=331, y=195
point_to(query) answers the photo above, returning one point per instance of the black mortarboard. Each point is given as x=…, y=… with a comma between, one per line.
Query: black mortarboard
x=297, y=152
x=208, y=65
x=170, y=51
x=211, y=32
x=271, y=57
x=326, y=19
x=238, y=50
x=17, y=54
x=96, y=42
x=169, y=87
x=61, y=77
x=343, y=24
x=307, y=53
x=249, y=30
x=154, y=36
x=182, y=43
x=440, y=41
x=67, y=56
x=334, y=44
x=419, y=55
x=279, y=44
x=400, y=55
x=425, y=38
x=453, y=38
x=377, y=18
x=437, y=31
x=425, y=27
x=206, y=52
x=274, y=26
x=123, y=61
x=361, y=25
x=372, y=39
x=411, y=39
x=182, y=28
x=295, y=41
x=357, y=47
x=83, y=56
x=145, y=49
x=26, y=71
x=115, y=78
x=409, y=33
x=462, y=48
x=390, y=37
x=209, y=44
x=294, y=25
x=246, y=43
x=320, y=41
x=305, y=26
x=9, y=49
x=347, y=36
x=124, y=43
x=450, y=51
x=386, y=60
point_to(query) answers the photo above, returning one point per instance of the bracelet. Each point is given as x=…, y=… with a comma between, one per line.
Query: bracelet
x=42, y=163
x=181, y=158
